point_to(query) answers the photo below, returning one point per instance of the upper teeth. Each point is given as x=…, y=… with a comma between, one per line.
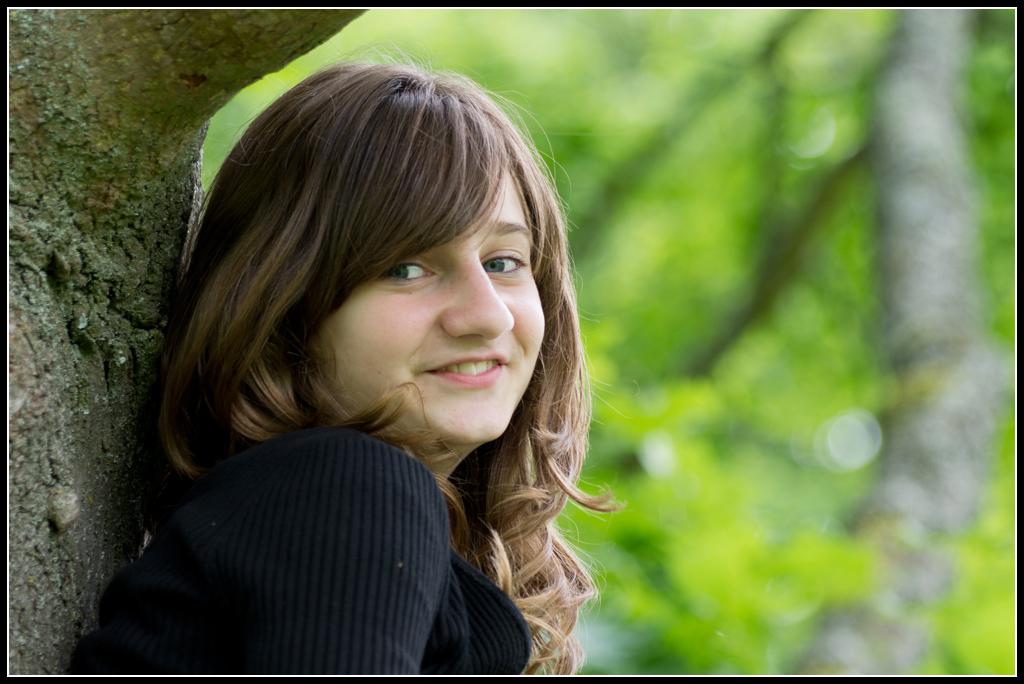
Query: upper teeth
x=471, y=368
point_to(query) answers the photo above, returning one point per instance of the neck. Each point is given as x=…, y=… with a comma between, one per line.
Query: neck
x=443, y=465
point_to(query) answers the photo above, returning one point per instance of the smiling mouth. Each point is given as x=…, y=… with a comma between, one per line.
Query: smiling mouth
x=469, y=368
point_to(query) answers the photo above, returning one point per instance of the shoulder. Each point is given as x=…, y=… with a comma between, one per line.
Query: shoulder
x=319, y=453
x=329, y=479
x=282, y=559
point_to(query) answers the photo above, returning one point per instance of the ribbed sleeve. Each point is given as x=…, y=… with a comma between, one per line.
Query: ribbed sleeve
x=339, y=564
x=323, y=551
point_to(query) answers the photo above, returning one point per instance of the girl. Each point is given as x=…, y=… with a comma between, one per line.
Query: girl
x=373, y=370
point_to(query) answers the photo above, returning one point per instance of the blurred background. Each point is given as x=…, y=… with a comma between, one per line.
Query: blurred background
x=726, y=232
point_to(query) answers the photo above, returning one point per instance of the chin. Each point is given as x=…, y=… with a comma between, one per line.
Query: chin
x=464, y=442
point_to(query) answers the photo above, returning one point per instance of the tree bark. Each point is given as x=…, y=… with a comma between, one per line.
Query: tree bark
x=939, y=429
x=107, y=112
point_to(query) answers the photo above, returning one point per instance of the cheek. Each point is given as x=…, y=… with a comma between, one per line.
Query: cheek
x=530, y=322
x=368, y=338
x=378, y=340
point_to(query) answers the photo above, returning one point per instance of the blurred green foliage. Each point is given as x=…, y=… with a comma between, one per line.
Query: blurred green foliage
x=687, y=144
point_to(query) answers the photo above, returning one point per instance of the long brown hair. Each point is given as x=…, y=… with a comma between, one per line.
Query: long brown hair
x=357, y=167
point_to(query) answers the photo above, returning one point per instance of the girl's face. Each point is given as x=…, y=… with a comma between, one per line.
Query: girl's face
x=462, y=322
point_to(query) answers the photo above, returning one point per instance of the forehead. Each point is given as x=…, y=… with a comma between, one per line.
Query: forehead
x=491, y=234
x=507, y=218
x=508, y=207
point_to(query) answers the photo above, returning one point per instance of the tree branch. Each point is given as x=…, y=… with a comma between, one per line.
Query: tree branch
x=780, y=264
x=634, y=171
x=117, y=90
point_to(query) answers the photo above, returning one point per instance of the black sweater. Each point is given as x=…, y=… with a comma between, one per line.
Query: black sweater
x=321, y=551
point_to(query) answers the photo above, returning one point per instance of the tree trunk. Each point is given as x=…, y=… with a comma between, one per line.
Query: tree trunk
x=107, y=112
x=940, y=426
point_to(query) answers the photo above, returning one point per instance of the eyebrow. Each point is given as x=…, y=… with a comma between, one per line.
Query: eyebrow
x=505, y=228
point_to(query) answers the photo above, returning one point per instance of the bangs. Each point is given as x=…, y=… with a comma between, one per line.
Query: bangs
x=420, y=167
x=363, y=166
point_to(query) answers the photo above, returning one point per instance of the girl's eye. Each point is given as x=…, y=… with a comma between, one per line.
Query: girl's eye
x=405, y=272
x=501, y=265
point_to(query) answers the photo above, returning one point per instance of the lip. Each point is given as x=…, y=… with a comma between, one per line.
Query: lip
x=488, y=378
x=479, y=358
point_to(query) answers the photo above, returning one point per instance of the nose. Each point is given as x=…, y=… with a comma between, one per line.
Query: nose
x=475, y=308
